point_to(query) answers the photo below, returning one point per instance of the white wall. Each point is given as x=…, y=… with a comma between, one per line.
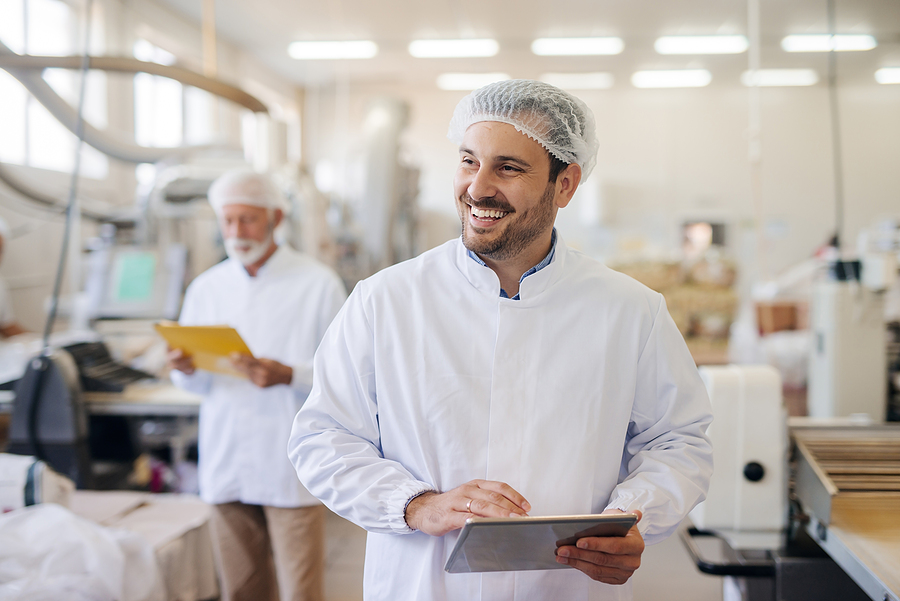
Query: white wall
x=667, y=155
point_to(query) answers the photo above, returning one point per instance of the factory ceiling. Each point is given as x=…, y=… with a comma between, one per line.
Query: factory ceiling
x=266, y=27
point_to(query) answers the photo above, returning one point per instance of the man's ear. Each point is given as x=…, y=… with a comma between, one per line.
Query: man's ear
x=566, y=184
x=279, y=215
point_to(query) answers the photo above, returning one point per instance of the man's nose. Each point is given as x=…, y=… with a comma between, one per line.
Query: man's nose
x=483, y=184
x=235, y=230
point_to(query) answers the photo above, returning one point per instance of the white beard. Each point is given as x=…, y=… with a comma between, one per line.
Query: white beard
x=247, y=251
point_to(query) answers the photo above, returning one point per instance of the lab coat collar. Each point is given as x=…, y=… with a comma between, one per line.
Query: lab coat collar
x=483, y=278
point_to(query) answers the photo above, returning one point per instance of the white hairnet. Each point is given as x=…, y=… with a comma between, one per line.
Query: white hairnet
x=555, y=119
x=245, y=187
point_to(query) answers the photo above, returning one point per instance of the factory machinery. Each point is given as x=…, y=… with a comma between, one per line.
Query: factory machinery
x=800, y=508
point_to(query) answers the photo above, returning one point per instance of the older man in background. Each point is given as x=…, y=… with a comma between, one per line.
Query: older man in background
x=268, y=529
x=8, y=324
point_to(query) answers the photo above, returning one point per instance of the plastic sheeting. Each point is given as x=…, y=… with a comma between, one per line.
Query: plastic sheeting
x=49, y=553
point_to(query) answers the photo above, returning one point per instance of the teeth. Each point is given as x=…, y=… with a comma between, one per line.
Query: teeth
x=482, y=213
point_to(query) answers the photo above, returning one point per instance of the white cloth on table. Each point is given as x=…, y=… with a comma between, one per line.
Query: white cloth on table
x=48, y=553
x=582, y=396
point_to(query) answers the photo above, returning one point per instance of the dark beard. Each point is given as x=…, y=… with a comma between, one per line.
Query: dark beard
x=532, y=225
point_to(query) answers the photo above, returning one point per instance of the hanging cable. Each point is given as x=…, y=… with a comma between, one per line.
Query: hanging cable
x=71, y=203
x=835, y=134
x=41, y=364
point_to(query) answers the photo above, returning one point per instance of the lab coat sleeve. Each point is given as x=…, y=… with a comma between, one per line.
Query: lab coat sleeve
x=667, y=461
x=335, y=442
x=333, y=299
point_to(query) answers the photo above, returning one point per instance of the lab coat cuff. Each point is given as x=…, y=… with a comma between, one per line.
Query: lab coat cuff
x=629, y=504
x=400, y=499
x=198, y=382
x=301, y=377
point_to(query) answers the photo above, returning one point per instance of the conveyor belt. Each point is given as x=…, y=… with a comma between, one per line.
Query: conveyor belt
x=848, y=480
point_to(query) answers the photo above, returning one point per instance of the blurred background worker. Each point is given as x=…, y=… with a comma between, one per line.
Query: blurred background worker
x=280, y=301
x=8, y=324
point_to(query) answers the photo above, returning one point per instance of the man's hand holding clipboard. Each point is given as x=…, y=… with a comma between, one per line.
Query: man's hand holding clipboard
x=219, y=349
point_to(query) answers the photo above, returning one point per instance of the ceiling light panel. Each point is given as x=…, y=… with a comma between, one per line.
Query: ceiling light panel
x=701, y=44
x=579, y=81
x=826, y=43
x=672, y=78
x=453, y=48
x=780, y=77
x=468, y=81
x=888, y=75
x=577, y=46
x=332, y=50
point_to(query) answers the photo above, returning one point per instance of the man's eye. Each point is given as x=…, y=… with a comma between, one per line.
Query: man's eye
x=509, y=168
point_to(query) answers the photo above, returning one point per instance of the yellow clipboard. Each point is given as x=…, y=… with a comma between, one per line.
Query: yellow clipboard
x=209, y=346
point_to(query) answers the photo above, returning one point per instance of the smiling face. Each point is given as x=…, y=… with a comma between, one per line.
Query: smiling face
x=504, y=198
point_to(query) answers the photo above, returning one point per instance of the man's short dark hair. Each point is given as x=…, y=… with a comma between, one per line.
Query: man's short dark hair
x=556, y=167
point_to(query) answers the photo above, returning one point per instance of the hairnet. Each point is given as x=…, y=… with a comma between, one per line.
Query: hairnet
x=555, y=119
x=245, y=187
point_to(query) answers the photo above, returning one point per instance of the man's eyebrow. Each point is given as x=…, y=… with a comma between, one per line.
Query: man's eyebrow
x=501, y=158
x=525, y=164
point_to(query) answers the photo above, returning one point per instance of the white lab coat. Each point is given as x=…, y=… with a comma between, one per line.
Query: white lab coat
x=7, y=317
x=281, y=314
x=428, y=379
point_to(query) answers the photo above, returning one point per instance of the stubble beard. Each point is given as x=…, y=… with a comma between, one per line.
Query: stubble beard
x=516, y=237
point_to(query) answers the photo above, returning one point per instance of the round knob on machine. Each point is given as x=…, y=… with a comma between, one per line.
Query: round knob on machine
x=754, y=471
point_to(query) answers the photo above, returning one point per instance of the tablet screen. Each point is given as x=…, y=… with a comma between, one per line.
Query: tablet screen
x=528, y=543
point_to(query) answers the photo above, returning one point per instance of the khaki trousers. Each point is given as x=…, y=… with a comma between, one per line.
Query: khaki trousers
x=261, y=550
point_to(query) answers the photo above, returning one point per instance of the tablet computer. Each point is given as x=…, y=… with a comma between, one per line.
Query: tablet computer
x=527, y=543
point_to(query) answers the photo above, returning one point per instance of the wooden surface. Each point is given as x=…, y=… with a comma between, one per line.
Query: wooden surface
x=157, y=393
x=869, y=526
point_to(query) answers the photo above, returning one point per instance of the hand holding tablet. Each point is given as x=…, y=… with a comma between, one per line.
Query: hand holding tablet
x=531, y=543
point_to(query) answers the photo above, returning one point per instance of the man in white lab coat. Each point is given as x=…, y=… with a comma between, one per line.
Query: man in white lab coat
x=267, y=528
x=9, y=326
x=504, y=374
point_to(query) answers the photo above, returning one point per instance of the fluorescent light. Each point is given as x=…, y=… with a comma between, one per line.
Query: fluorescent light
x=701, y=44
x=332, y=50
x=577, y=46
x=468, y=81
x=780, y=77
x=888, y=75
x=453, y=48
x=672, y=78
x=827, y=42
x=579, y=81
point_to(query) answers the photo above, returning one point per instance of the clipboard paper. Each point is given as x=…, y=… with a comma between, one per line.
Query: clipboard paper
x=209, y=346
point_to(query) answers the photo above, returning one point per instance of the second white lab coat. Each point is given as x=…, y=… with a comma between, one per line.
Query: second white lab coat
x=281, y=314
x=582, y=396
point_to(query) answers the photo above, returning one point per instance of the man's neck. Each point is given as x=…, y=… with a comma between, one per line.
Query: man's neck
x=510, y=271
x=254, y=268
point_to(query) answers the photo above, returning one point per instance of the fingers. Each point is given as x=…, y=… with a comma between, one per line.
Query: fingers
x=604, y=574
x=243, y=363
x=607, y=559
x=487, y=498
x=177, y=359
x=437, y=514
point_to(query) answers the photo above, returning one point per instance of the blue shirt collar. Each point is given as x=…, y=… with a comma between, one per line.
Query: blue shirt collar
x=546, y=261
